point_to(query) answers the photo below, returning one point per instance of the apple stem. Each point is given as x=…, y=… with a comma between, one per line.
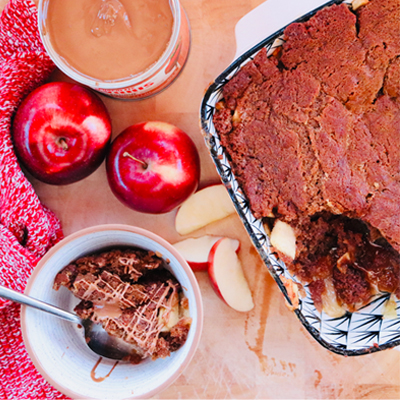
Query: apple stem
x=144, y=164
x=62, y=143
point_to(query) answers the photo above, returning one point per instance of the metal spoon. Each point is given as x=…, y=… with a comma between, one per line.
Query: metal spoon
x=96, y=337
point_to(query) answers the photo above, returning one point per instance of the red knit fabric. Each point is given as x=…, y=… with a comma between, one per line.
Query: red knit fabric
x=27, y=228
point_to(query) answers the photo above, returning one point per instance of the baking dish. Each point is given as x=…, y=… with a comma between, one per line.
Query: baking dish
x=361, y=332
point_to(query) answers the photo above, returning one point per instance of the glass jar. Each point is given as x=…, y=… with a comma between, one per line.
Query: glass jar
x=149, y=82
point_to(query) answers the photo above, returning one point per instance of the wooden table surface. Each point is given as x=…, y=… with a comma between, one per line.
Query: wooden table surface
x=265, y=353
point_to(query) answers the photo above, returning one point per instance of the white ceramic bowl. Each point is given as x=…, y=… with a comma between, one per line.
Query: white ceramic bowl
x=58, y=348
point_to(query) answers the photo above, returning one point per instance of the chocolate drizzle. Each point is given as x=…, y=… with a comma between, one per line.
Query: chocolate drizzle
x=142, y=326
x=134, y=298
x=108, y=288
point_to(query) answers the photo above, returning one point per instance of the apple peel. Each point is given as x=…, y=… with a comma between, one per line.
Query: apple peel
x=226, y=275
x=196, y=251
x=202, y=208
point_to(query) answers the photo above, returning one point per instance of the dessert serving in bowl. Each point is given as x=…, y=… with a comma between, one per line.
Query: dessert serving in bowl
x=304, y=130
x=139, y=288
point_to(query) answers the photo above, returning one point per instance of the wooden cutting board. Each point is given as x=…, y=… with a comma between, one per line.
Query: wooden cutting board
x=265, y=353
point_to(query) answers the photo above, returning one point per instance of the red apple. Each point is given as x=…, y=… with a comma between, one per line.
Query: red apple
x=61, y=132
x=227, y=277
x=153, y=167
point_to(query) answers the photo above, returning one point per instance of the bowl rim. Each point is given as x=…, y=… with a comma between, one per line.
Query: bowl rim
x=132, y=229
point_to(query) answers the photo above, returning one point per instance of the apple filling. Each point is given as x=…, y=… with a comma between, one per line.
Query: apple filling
x=343, y=261
x=133, y=296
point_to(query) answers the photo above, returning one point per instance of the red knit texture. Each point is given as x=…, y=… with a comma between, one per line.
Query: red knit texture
x=27, y=228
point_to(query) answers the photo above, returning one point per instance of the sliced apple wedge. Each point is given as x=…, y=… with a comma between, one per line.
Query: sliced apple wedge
x=205, y=206
x=226, y=275
x=283, y=239
x=169, y=318
x=330, y=302
x=196, y=251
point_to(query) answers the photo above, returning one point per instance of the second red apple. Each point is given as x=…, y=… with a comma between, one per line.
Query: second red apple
x=153, y=167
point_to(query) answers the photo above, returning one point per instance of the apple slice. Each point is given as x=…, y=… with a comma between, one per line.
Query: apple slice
x=283, y=239
x=169, y=317
x=196, y=251
x=205, y=206
x=355, y=4
x=226, y=275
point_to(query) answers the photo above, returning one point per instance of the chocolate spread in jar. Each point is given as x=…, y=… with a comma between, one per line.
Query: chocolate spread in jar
x=109, y=39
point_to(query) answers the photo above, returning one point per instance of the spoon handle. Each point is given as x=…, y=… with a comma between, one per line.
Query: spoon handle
x=38, y=304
